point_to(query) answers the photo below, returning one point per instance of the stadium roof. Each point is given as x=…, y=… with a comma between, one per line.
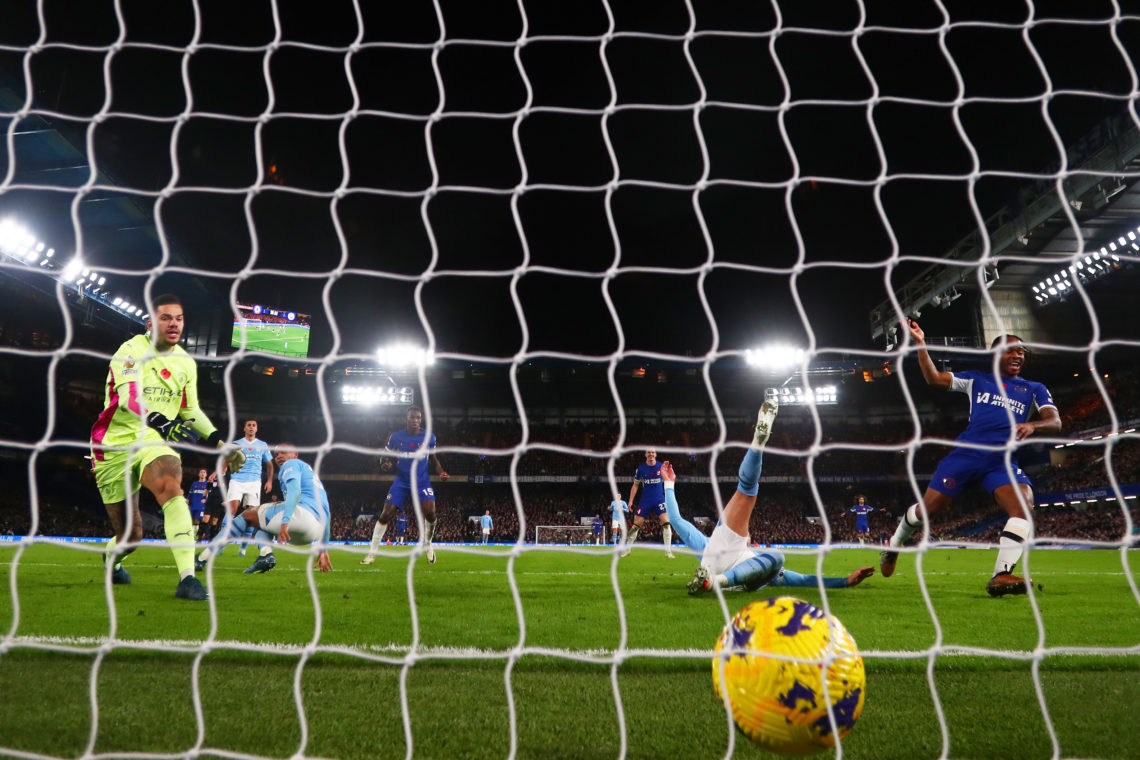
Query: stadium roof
x=1034, y=235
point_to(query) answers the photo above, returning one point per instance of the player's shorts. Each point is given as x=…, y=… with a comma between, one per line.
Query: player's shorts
x=112, y=468
x=725, y=549
x=644, y=510
x=961, y=467
x=486, y=531
x=862, y=528
x=401, y=491
x=616, y=525
x=196, y=512
x=246, y=492
x=304, y=528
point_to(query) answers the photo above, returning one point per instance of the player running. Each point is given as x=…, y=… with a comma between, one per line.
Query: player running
x=861, y=510
x=245, y=489
x=301, y=519
x=727, y=559
x=411, y=474
x=619, y=509
x=999, y=408
x=151, y=399
x=199, y=491
x=652, y=503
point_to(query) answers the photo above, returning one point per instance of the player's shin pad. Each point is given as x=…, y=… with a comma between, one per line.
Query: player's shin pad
x=1011, y=544
x=749, y=473
x=756, y=572
x=180, y=533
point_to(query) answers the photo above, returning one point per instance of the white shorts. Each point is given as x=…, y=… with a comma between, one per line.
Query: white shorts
x=486, y=531
x=304, y=527
x=725, y=550
x=246, y=492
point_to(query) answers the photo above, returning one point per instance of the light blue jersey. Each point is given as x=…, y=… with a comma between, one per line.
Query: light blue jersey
x=256, y=453
x=619, y=508
x=486, y=522
x=303, y=489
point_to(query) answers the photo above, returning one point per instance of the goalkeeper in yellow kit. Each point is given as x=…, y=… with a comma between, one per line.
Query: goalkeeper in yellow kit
x=151, y=399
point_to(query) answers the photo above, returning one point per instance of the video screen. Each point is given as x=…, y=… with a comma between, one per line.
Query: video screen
x=274, y=331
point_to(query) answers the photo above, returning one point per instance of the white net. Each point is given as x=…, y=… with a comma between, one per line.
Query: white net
x=587, y=217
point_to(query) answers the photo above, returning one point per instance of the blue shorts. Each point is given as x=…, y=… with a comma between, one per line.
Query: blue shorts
x=644, y=510
x=401, y=490
x=961, y=467
x=864, y=528
x=196, y=513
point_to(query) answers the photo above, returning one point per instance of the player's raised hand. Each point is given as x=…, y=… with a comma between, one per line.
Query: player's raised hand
x=916, y=333
x=177, y=431
x=667, y=473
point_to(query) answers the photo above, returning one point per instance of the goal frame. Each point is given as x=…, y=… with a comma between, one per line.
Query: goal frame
x=587, y=529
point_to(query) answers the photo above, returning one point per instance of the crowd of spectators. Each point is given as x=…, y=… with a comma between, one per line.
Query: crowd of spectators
x=840, y=453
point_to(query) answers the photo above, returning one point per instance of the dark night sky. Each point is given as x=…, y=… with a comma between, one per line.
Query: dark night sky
x=755, y=142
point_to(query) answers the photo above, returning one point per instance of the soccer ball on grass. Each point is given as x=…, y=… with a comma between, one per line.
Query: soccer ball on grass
x=781, y=704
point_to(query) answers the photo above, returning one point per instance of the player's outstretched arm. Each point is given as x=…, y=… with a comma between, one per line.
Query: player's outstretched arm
x=930, y=373
x=859, y=576
x=439, y=468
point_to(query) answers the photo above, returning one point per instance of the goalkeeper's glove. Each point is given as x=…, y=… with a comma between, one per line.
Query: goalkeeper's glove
x=177, y=431
x=233, y=455
x=235, y=458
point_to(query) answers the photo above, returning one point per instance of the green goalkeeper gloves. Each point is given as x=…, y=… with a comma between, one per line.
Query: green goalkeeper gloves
x=177, y=431
x=235, y=458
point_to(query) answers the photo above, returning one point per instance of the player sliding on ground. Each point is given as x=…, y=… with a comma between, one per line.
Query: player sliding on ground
x=995, y=421
x=299, y=520
x=152, y=399
x=727, y=558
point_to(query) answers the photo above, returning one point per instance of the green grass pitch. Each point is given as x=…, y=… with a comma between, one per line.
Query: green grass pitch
x=563, y=681
x=294, y=341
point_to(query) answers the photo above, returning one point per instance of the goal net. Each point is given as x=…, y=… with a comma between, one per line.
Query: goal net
x=572, y=235
x=565, y=534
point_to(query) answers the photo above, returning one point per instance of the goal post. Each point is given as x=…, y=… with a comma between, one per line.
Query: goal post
x=570, y=535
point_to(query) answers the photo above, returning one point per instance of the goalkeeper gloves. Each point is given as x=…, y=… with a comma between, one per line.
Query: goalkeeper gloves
x=235, y=458
x=177, y=431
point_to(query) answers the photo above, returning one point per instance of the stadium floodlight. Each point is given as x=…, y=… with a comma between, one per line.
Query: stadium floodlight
x=71, y=271
x=774, y=357
x=373, y=395
x=824, y=395
x=404, y=355
x=117, y=302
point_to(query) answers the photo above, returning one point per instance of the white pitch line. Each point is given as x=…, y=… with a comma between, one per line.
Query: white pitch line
x=450, y=652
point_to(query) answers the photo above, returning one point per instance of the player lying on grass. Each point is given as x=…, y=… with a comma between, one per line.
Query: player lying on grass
x=1000, y=408
x=299, y=520
x=727, y=558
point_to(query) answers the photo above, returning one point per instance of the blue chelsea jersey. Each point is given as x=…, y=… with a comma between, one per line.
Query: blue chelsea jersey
x=989, y=418
x=405, y=442
x=256, y=452
x=649, y=476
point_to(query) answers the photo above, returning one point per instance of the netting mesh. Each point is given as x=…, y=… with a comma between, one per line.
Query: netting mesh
x=523, y=183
